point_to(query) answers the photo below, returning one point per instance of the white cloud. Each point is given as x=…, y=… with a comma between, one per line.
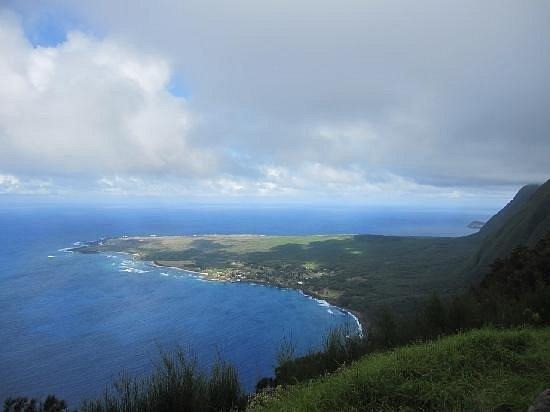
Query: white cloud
x=90, y=106
x=288, y=98
x=442, y=93
x=8, y=183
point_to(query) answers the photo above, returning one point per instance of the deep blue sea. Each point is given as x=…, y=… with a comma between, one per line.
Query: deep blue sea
x=70, y=323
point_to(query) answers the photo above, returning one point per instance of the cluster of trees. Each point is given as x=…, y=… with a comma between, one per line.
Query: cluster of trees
x=515, y=292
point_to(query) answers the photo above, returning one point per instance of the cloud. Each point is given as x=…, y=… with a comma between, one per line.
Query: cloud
x=8, y=183
x=288, y=98
x=438, y=92
x=89, y=107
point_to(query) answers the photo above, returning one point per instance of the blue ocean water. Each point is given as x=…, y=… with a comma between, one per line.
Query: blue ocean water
x=71, y=322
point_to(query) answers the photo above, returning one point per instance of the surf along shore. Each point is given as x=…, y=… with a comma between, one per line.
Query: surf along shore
x=220, y=258
x=358, y=273
x=359, y=318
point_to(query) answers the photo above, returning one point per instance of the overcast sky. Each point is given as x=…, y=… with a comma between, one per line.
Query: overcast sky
x=374, y=101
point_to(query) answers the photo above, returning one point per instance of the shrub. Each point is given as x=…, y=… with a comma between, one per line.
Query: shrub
x=176, y=384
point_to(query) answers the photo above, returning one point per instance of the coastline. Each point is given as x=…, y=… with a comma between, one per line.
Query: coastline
x=358, y=317
x=159, y=265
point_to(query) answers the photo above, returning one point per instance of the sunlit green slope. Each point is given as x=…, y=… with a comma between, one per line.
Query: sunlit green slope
x=478, y=370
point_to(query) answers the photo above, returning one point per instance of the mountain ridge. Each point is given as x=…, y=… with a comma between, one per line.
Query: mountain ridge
x=522, y=222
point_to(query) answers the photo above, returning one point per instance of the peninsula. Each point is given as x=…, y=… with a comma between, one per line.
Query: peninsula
x=356, y=272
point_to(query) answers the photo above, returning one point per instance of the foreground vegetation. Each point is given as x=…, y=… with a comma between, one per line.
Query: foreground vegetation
x=176, y=384
x=484, y=369
x=478, y=370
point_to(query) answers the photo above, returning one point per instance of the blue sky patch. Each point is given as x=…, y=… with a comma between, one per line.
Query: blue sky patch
x=178, y=87
x=47, y=27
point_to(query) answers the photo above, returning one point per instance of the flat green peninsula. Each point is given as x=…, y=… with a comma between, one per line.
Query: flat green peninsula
x=357, y=272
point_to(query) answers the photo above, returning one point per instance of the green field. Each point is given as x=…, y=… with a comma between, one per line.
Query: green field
x=476, y=371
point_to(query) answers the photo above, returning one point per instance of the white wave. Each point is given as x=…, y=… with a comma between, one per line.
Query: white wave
x=330, y=311
x=132, y=270
x=51, y=256
x=359, y=326
x=164, y=274
x=66, y=250
x=322, y=303
x=126, y=263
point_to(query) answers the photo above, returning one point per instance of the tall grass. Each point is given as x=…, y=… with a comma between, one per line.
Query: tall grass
x=176, y=384
x=24, y=404
x=340, y=347
x=481, y=370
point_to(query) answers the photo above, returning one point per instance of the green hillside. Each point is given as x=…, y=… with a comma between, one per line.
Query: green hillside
x=524, y=221
x=478, y=370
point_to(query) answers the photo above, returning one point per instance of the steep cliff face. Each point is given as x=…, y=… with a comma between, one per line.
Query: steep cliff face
x=524, y=221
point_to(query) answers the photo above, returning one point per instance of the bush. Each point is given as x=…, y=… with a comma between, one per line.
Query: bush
x=24, y=404
x=340, y=347
x=176, y=384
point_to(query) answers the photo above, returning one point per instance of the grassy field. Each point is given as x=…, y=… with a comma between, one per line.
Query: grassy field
x=357, y=272
x=475, y=371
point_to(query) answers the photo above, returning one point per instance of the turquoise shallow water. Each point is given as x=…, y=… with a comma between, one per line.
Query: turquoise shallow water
x=71, y=322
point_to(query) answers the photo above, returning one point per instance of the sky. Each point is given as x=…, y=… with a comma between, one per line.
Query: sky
x=387, y=102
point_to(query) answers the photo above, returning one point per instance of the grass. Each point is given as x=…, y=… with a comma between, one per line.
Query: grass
x=340, y=347
x=479, y=370
x=176, y=384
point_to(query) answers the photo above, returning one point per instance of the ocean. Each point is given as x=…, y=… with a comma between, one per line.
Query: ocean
x=70, y=322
